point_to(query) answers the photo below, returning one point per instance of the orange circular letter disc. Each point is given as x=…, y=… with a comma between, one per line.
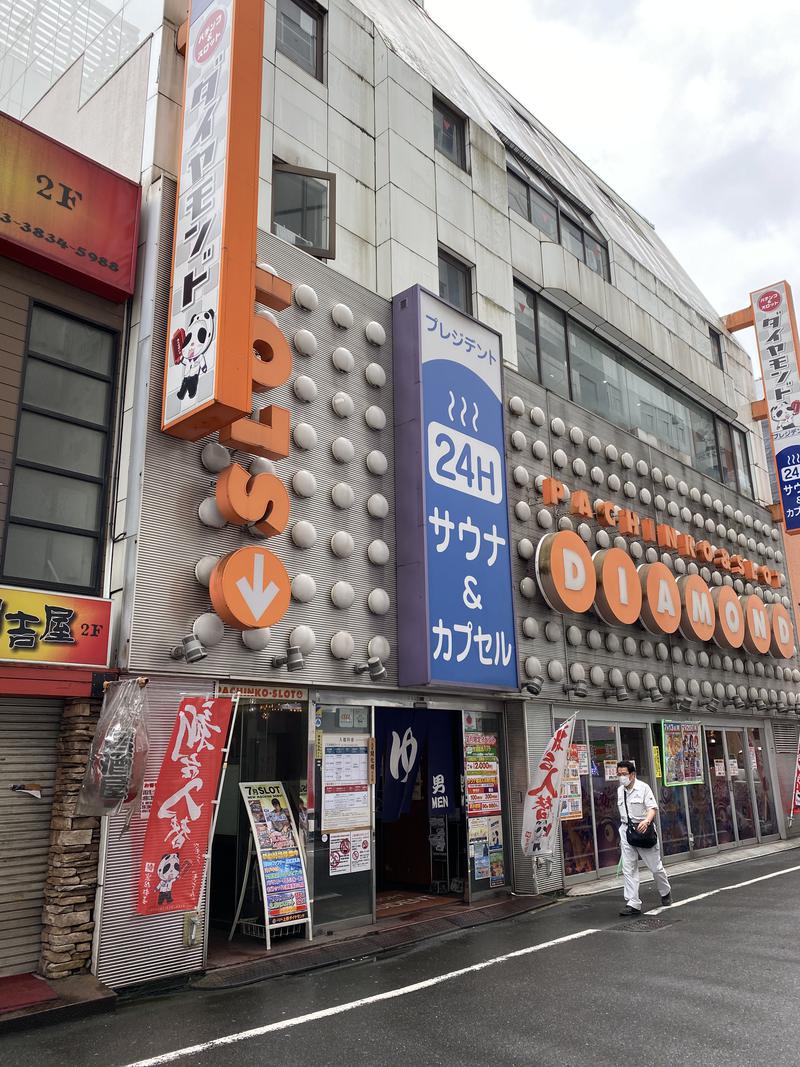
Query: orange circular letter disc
x=565, y=573
x=756, y=624
x=661, y=601
x=250, y=588
x=729, y=628
x=782, y=639
x=698, y=617
x=619, y=593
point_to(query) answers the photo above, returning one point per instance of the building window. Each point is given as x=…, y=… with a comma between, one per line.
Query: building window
x=743, y=473
x=530, y=196
x=449, y=133
x=455, y=282
x=299, y=35
x=727, y=460
x=716, y=347
x=54, y=530
x=525, y=315
x=304, y=209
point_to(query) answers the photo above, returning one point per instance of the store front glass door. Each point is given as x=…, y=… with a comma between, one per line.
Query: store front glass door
x=603, y=756
x=720, y=787
x=672, y=817
x=737, y=764
x=577, y=832
x=701, y=808
x=762, y=783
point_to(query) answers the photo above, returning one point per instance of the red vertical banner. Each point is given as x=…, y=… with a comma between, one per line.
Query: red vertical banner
x=795, y=808
x=179, y=824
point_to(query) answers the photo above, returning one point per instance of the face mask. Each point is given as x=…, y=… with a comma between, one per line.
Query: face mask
x=625, y=780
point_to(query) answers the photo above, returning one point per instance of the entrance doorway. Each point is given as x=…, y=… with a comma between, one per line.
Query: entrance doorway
x=419, y=824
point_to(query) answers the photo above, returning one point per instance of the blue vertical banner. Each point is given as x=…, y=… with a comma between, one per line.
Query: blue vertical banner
x=455, y=598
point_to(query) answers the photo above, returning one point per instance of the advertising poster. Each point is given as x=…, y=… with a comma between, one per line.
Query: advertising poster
x=579, y=754
x=683, y=753
x=455, y=605
x=179, y=820
x=610, y=770
x=479, y=848
x=657, y=761
x=719, y=768
x=345, y=782
x=482, y=774
x=543, y=800
x=733, y=768
x=280, y=859
x=497, y=867
x=571, y=800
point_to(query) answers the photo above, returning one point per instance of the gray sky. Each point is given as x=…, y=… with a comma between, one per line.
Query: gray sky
x=690, y=109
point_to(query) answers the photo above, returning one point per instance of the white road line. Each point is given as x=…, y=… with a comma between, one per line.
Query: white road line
x=390, y=994
x=723, y=889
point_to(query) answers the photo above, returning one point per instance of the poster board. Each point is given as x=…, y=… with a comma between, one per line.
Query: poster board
x=281, y=862
x=345, y=781
x=683, y=753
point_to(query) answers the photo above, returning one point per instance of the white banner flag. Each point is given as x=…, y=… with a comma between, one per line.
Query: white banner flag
x=543, y=799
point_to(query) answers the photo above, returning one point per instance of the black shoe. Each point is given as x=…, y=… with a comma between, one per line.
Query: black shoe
x=629, y=913
x=667, y=900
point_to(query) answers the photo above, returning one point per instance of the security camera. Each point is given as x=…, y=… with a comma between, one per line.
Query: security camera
x=292, y=661
x=534, y=686
x=189, y=649
x=377, y=671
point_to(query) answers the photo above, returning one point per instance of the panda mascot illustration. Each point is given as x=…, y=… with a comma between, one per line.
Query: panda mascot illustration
x=189, y=349
x=168, y=871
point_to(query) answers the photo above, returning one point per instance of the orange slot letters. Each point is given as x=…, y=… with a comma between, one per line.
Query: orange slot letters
x=260, y=500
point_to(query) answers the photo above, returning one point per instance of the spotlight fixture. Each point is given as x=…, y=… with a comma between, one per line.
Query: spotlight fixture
x=683, y=704
x=534, y=686
x=618, y=691
x=374, y=665
x=653, y=693
x=761, y=705
x=712, y=705
x=579, y=688
x=292, y=661
x=738, y=703
x=189, y=649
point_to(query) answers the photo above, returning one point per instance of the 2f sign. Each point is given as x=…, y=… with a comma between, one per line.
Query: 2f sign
x=464, y=463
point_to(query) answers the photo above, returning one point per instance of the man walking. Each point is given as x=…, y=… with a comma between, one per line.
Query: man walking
x=635, y=800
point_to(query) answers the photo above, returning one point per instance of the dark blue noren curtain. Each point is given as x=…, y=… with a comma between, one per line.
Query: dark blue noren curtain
x=441, y=784
x=400, y=737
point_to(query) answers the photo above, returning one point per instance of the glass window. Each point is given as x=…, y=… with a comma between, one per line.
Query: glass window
x=525, y=313
x=454, y=283
x=553, y=348
x=704, y=442
x=303, y=209
x=598, y=376
x=572, y=237
x=449, y=133
x=577, y=836
x=742, y=463
x=596, y=255
x=60, y=390
x=50, y=557
x=55, y=499
x=544, y=215
x=518, y=195
x=71, y=341
x=716, y=347
x=765, y=809
x=55, y=515
x=726, y=458
x=603, y=749
x=299, y=35
x=63, y=445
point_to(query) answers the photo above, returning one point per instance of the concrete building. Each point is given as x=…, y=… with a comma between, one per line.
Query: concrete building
x=388, y=160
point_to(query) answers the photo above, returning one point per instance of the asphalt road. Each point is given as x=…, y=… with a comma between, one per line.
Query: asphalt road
x=713, y=981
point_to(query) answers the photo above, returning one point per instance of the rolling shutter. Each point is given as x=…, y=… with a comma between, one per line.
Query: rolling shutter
x=28, y=737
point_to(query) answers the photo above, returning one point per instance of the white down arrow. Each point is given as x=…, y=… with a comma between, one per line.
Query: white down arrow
x=257, y=596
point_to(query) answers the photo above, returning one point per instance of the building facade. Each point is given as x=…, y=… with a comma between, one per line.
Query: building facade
x=520, y=480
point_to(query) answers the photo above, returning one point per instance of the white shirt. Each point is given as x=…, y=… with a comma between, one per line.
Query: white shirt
x=640, y=800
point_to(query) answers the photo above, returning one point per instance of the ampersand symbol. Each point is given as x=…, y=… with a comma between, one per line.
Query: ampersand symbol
x=470, y=598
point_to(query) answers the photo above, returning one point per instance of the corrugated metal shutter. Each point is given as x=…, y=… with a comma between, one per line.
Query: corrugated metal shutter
x=785, y=734
x=28, y=739
x=138, y=948
x=529, y=728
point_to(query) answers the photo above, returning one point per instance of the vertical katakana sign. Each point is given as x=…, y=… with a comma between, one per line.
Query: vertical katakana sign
x=455, y=603
x=776, y=334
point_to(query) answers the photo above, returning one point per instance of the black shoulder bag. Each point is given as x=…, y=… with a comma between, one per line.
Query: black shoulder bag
x=635, y=837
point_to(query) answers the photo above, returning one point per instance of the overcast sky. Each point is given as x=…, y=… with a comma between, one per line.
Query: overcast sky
x=689, y=109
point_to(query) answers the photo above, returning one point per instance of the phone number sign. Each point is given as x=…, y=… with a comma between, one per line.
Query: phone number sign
x=455, y=599
x=37, y=626
x=66, y=215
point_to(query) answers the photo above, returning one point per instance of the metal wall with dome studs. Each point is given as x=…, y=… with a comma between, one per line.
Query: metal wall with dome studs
x=338, y=547
x=551, y=437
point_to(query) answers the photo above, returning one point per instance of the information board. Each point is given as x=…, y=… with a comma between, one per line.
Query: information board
x=482, y=774
x=345, y=782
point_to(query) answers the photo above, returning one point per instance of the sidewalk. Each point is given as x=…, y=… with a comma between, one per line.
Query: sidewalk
x=29, y=1000
x=718, y=859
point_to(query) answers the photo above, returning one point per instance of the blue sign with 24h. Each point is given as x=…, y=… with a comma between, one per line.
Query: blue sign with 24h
x=469, y=597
